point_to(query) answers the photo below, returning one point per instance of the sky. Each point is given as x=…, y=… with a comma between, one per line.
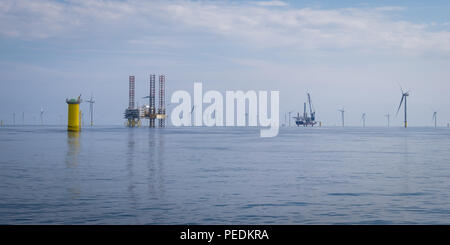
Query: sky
x=348, y=54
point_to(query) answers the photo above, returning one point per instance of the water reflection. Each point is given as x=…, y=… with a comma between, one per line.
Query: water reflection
x=405, y=170
x=155, y=166
x=72, y=159
x=151, y=164
x=73, y=149
x=131, y=189
x=160, y=159
x=155, y=163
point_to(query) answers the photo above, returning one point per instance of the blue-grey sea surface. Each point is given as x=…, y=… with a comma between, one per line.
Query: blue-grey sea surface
x=327, y=175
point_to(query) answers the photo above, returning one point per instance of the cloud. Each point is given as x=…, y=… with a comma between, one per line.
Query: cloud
x=251, y=24
x=272, y=3
x=351, y=28
x=390, y=8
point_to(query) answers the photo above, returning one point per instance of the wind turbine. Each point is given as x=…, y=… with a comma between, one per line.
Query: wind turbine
x=42, y=115
x=342, y=116
x=91, y=102
x=388, y=118
x=435, y=119
x=404, y=95
x=363, y=117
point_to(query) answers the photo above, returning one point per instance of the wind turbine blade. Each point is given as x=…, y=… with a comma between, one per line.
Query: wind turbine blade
x=401, y=101
x=400, y=87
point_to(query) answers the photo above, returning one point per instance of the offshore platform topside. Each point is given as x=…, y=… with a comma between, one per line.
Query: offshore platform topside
x=134, y=114
x=306, y=120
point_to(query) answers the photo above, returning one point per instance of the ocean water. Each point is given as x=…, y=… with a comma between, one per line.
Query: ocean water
x=118, y=175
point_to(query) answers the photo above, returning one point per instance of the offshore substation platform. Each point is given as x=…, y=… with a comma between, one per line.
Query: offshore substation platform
x=134, y=114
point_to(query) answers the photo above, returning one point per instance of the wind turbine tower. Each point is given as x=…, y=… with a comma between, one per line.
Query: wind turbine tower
x=342, y=116
x=404, y=95
x=363, y=117
x=42, y=115
x=91, y=102
x=435, y=119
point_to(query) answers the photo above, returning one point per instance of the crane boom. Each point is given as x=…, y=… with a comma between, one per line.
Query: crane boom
x=313, y=113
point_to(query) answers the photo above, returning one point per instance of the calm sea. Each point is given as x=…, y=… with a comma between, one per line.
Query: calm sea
x=117, y=175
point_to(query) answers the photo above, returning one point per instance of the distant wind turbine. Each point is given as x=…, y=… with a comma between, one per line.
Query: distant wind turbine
x=342, y=116
x=435, y=119
x=363, y=118
x=404, y=95
x=91, y=102
x=42, y=115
